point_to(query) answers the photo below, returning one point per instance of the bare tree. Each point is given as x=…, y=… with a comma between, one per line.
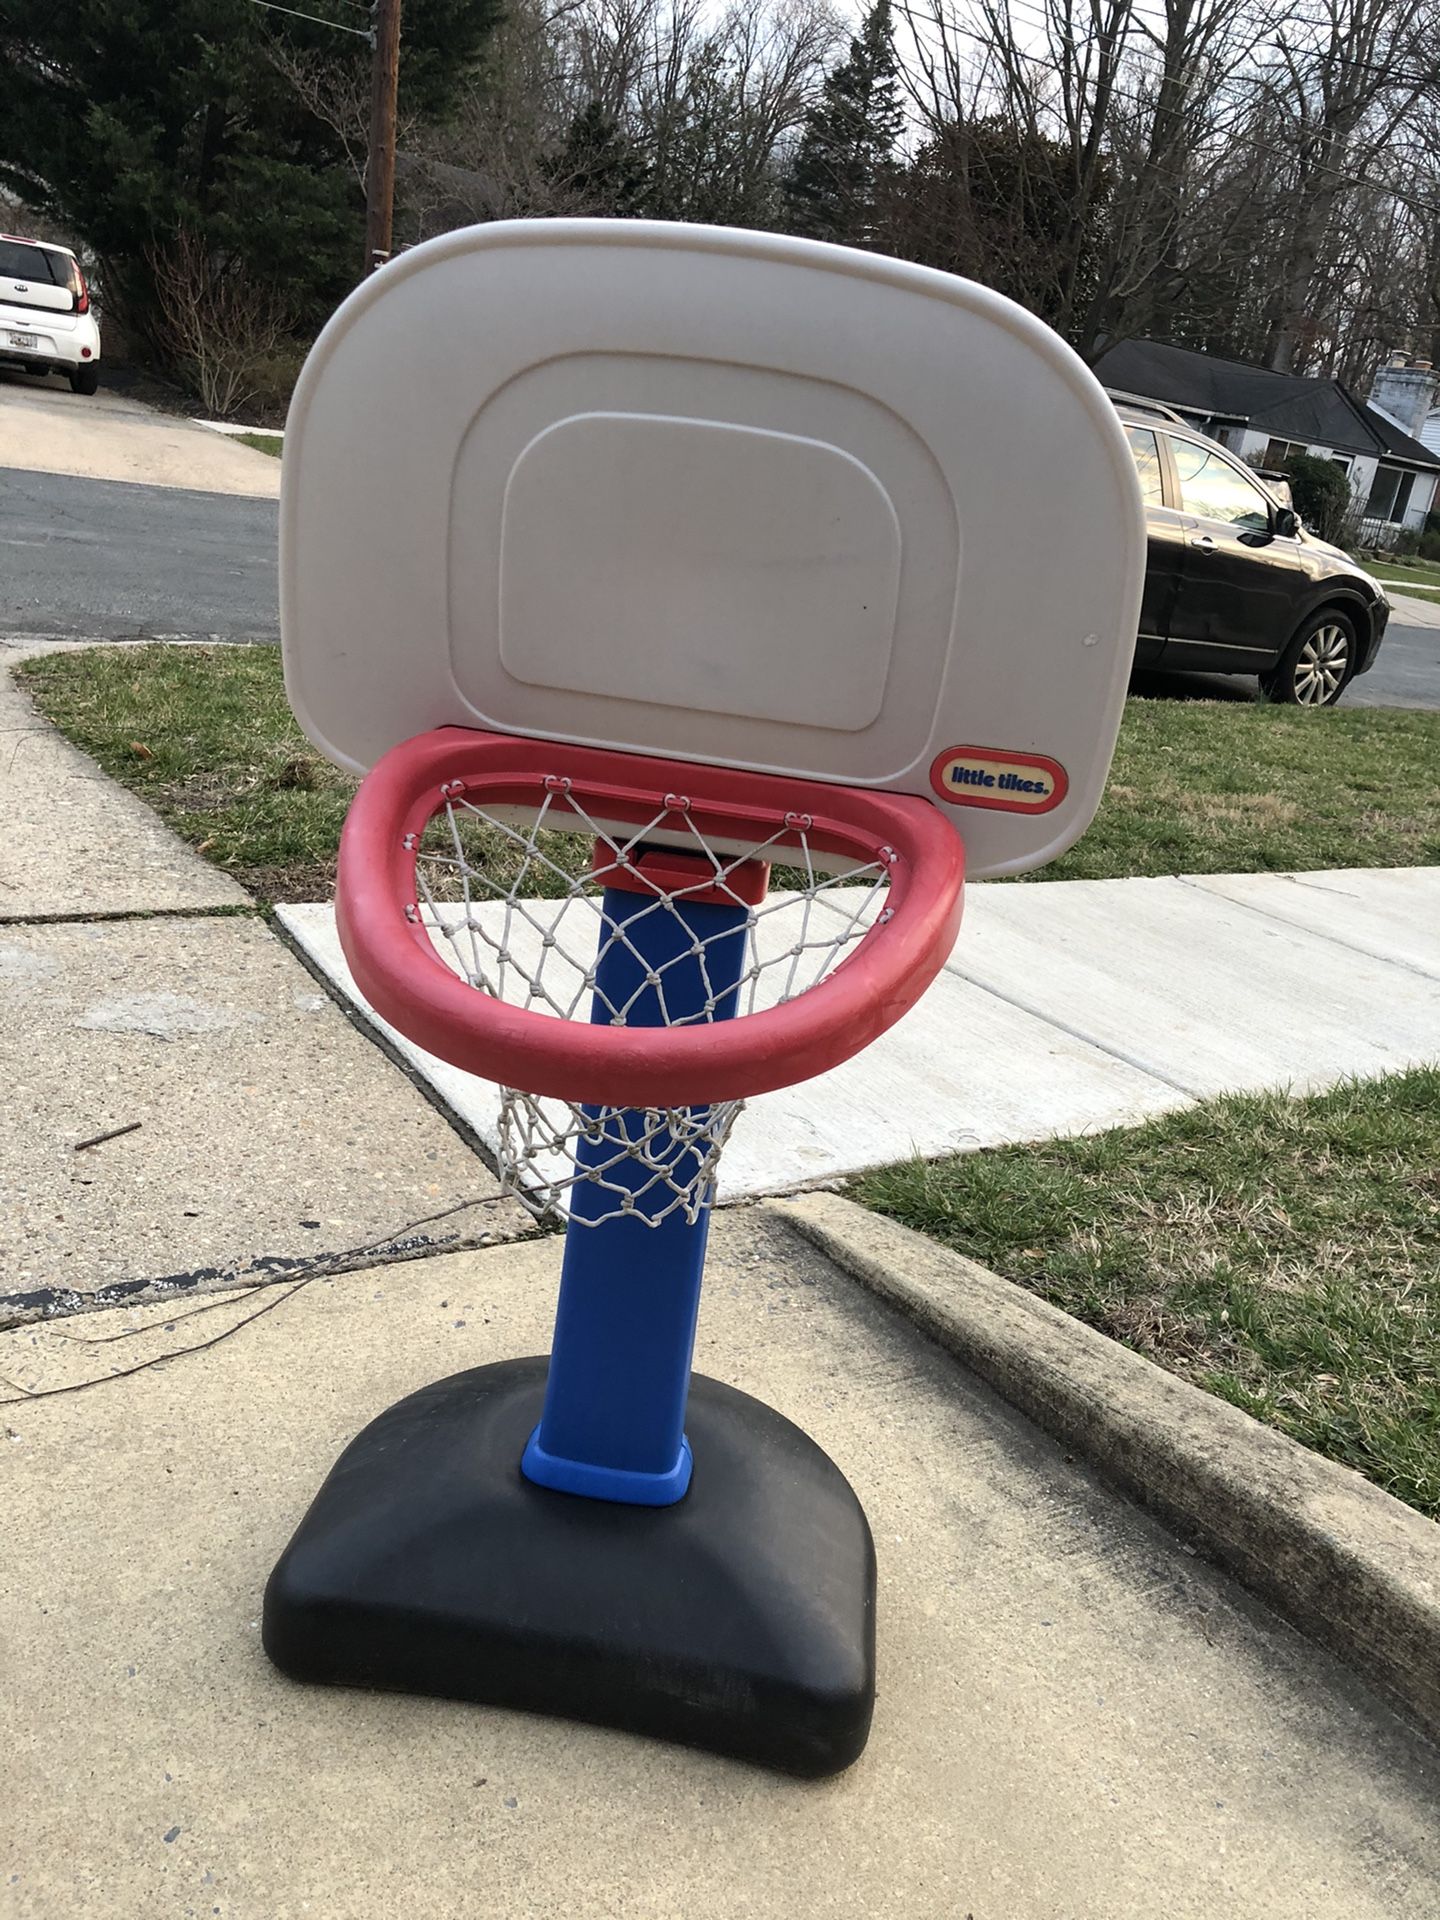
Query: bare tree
x=1136, y=95
x=1346, y=77
x=333, y=83
x=706, y=103
x=1169, y=146
x=1255, y=177
x=488, y=161
x=779, y=56
x=218, y=322
x=714, y=106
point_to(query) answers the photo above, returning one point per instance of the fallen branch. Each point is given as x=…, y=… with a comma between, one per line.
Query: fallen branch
x=115, y=1133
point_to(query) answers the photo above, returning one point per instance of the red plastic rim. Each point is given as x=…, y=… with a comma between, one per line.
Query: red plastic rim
x=407, y=982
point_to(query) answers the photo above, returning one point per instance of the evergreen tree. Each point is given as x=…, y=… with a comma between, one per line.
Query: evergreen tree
x=129, y=122
x=994, y=201
x=598, y=169
x=849, y=139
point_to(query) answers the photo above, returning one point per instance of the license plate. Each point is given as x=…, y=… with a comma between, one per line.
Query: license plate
x=24, y=339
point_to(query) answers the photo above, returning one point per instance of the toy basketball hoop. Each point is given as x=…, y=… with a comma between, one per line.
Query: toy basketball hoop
x=661, y=978
x=680, y=638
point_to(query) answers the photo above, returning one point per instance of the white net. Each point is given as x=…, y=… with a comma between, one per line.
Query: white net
x=518, y=910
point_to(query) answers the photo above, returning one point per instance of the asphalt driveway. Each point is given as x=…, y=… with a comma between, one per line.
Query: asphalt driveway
x=45, y=428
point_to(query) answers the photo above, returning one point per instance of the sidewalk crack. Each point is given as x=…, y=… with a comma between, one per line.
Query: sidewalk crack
x=1078, y=1033
x=1276, y=919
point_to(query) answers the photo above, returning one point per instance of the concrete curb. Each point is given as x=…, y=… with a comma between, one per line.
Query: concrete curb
x=1351, y=1567
x=229, y=426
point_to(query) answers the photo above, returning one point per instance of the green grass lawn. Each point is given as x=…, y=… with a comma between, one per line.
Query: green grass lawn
x=262, y=442
x=1282, y=1253
x=205, y=735
x=1211, y=787
x=1421, y=579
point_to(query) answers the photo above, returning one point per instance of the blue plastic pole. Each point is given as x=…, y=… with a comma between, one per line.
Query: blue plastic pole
x=614, y=1416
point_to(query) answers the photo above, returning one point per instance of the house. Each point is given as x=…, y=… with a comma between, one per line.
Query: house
x=1265, y=417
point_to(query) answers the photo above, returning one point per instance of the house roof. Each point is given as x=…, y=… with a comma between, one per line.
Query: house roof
x=451, y=196
x=1322, y=413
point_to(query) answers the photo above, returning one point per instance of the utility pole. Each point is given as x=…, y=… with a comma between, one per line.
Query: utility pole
x=380, y=171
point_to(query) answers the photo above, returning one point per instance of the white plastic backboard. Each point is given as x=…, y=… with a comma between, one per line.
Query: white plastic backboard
x=722, y=496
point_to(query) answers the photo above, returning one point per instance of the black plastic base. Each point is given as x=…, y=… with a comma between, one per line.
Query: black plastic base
x=741, y=1620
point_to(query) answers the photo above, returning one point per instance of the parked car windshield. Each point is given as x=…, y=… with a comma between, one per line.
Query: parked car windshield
x=1211, y=488
x=1146, y=449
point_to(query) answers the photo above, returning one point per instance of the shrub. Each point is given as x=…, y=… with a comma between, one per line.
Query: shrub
x=1321, y=491
x=272, y=378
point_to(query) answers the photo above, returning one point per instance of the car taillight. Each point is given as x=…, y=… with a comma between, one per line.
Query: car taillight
x=81, y=291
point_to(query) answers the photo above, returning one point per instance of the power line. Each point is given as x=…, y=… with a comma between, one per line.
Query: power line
x=315, y=19
x=1399, y=76
x=1044, y=15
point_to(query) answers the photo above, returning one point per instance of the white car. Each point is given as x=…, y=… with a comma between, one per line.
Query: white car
x=46, y=323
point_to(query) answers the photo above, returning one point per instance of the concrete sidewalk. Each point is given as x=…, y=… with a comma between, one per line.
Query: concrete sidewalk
x=1413, y=610
x=1071, y=1005
x=1077, y=1719
x=259, y=1131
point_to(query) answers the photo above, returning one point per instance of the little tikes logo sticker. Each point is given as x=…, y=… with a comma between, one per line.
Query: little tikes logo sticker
x=987, y=777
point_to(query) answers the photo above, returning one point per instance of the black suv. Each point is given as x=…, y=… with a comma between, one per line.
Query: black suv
x=1233, y=581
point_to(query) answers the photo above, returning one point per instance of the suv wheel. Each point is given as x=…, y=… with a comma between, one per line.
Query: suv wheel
x=1315, y=668
x=85, y=379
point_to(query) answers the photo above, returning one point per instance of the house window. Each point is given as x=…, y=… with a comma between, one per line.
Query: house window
x=1277, y=452
x=1390, y=495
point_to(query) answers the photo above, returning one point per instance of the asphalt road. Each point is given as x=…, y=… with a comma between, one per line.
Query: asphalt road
x=109, y=560
x=1407, y=674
